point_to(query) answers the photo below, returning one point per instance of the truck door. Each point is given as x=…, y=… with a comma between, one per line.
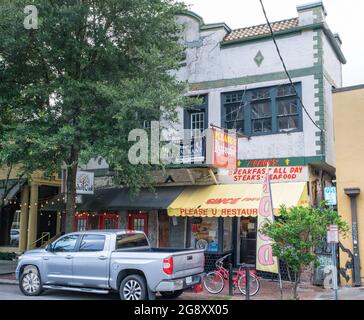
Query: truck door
x=58, y=264
x=91, y=262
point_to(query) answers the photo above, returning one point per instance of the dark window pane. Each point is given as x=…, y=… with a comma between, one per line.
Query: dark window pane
x=286, y=90
x=287, y=107
x=92, y=243
x=66, y=244
x=261, y=94
x=267, y=125
x=131, y=240
x=261, y=110
x=288, y=123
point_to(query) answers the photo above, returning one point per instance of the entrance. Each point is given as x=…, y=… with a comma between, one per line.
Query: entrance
x=47, y=226
x=138, y=222
x=248, y=240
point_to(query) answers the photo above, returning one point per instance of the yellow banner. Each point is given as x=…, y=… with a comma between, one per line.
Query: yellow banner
x=265, y=261
x=235, y=200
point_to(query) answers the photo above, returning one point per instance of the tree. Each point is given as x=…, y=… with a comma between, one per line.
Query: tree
x=91, y=72
x=297, y=232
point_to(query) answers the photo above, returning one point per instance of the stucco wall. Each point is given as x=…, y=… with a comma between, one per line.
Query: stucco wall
x=349, y=137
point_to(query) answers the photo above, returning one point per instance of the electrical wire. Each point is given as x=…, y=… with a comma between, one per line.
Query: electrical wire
x=285, y=67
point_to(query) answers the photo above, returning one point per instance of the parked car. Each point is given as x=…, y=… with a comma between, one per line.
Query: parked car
x=104, y=261
x=14, y=237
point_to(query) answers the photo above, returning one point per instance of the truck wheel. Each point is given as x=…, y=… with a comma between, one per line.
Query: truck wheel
x=133, y=287
x=30, y=283
x=171, y=294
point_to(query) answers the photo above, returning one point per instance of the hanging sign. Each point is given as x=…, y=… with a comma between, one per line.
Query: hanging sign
x=85, y=182
x=265, y=261
x=330, y=196
x=222, y=148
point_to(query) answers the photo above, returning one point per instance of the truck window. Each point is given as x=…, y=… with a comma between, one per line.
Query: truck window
x=132, y=240
x=92, y=243
x=66, y=244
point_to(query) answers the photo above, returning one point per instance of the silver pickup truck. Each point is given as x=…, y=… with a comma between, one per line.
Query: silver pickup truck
x=112, y=260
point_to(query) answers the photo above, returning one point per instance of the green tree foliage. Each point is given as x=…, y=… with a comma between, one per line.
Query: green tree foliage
x=76, y=86
x=297, y=232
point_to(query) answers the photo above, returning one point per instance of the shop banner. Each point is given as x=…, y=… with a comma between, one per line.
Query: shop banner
x=222, y=148
x=265, y=261
x=256, y=175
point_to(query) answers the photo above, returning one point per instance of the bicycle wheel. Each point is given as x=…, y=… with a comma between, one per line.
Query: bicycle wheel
x=214, y=282
x=253, y=287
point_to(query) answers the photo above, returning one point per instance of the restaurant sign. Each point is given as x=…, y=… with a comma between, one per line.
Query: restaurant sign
x=222, y=148
x=255, y=171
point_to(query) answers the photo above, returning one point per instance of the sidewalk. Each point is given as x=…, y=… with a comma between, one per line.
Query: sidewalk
x=7, y=267
x=269, y=291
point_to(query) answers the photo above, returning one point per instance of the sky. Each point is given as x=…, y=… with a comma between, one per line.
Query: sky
x=344, y=17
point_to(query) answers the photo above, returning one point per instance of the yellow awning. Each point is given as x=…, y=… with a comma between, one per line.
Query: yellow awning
x=238, y=200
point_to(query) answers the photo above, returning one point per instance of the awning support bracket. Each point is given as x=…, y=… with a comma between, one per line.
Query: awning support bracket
x=213, y=176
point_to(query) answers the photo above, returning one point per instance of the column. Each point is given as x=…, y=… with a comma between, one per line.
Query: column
x=59, y=222
x=33, y=216
x=24, y=218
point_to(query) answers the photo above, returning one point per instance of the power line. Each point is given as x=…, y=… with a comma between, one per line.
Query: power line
x=285, y=67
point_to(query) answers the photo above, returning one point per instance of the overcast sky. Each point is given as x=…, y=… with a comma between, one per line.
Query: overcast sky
x=344, y=16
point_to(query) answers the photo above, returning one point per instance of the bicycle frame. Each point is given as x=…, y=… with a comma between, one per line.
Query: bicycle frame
x=224, y=273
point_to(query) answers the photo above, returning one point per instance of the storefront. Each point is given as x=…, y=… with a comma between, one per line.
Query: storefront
x=223, y=218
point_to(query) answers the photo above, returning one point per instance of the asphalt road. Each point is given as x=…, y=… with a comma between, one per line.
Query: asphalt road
x=12, y=292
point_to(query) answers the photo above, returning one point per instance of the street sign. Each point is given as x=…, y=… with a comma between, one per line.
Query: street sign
x=330, y=196
x=332, y=234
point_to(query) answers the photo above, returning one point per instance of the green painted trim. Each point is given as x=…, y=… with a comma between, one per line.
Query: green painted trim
x=297, y=73
x=277, y=34
x=307, y=7
x=282, y=162
x=203, y=26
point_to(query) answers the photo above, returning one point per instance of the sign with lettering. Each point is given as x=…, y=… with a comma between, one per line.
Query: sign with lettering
x=256, y=175
x=222, y=149
x=265, y=261
x=85, y=182
x=330, y=196
x=332, y=234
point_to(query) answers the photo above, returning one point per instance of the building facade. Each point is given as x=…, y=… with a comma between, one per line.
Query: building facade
x=349, y=134
x=240, y=79
x=23, y=223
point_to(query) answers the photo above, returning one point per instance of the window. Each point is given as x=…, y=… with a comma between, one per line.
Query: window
x=131, y=240
x=92, y=243
x=66, y=244
x=263, y=111
x=288, y=115
x=261, y=115
x=205, y=234
x=234, y=112
x=197, y=121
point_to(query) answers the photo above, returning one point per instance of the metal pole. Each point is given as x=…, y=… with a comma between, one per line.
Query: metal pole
x=231, y=292
x=247, y=278
x=334, y=270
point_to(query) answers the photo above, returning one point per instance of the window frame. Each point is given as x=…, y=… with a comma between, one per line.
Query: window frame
x=204, y=107
x=95, y=235
x=77, y=244
x=274, y=99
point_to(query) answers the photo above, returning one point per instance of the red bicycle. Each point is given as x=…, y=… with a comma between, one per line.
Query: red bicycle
x=214, y=282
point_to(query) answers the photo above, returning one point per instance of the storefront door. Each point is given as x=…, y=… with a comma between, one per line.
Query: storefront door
x=248, y=240
x=138, y=222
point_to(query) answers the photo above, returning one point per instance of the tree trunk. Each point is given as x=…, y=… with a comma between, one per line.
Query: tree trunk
x=296, y=282
x=71, y=197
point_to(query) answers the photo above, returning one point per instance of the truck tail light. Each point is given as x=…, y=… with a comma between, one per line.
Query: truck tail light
x=168, y=265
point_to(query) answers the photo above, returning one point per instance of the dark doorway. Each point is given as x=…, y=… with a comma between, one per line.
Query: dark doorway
x=163, y=229
x=47, y=226
x=248, y=240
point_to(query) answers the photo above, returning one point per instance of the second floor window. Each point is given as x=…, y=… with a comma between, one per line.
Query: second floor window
x=263, y=111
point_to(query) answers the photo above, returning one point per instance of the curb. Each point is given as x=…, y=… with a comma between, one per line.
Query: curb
x=11, y=282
